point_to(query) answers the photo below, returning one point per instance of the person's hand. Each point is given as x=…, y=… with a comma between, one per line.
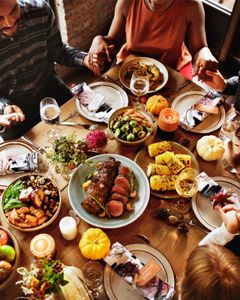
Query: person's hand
x=215, y=80
x=204, y=61
x=12, y=115
x=230, y=215
x=95, y=62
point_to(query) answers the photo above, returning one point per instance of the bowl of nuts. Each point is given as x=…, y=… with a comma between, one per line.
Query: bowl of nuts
x=30, y=202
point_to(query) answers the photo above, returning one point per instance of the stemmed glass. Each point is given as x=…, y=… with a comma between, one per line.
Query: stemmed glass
x=139, y=84
x=50, y=114
x=186, y=183
x=93, y=275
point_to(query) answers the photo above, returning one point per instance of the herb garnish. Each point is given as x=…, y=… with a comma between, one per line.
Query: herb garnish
x=101, y=206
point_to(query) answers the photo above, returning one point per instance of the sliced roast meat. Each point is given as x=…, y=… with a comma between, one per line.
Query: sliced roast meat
x=123, y=182
x=124, y=171
x=119, y=197
x=115, y=208
x=100, y=186
x=120, y=190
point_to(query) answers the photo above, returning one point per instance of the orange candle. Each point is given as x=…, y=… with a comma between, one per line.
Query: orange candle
x=168, y=120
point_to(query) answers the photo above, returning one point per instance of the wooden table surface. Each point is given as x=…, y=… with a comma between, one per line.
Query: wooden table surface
x=166, y=238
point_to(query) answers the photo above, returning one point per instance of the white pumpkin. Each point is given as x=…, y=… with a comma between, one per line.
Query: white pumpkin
x=210, y=147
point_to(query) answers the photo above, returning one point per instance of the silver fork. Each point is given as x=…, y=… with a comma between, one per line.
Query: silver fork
x=228, y=167
x=86, y=126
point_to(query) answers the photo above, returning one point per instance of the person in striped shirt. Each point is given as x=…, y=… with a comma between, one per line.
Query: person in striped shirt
x=30, y=44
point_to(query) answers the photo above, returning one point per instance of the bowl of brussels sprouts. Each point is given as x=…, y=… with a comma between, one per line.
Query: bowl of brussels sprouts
x=132, y=126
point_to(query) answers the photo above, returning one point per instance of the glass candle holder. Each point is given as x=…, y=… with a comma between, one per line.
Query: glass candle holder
x=168, y=120
x=186, y=183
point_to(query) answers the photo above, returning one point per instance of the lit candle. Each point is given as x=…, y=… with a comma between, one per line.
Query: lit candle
x=168, y=120
x=68, y=228
x=42, y=245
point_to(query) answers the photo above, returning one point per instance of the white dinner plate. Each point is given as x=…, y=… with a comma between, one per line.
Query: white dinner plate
x=210, y=124
x=117, y=288
x=13, y=147
x=203, y=208
x=113, y=94
x=76, y=193
x=148, y=61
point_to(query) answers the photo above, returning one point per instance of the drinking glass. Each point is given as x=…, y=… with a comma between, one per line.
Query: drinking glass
x=231, y=125
x=139, y=84
x=186, y=183
x=93, y=275
x=50, y=114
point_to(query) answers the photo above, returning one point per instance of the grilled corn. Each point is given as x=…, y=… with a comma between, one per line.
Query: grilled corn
x=185, y=159
x=156, y=169
x=163, y=182
x=158, y=148
x=174, y=164
x=159, y=159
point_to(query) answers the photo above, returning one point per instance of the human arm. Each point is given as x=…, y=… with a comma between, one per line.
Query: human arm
x=104, y=47
x=230, y=215
x=203, y=57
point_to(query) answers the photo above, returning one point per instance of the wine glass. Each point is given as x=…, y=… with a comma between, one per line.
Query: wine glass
x=186, y=183
x=50, y=114
x=139, y=84
x=93, y=275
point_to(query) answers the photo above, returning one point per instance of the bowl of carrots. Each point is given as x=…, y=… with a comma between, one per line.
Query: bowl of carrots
x=132, y=126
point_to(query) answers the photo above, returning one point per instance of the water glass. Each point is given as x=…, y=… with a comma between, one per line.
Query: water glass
x=186, y=183
x=50, y=114
x=93, y=275
x=139, y=84
x=231, y=125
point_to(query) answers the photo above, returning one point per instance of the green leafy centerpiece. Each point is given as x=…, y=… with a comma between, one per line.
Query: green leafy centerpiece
x=44, y=278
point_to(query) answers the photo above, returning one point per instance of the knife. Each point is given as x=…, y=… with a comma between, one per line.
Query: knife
x=34, y=145
x=87, y=126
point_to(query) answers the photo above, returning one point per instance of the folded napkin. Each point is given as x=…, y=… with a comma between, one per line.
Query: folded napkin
x=18, y=163
x=126, y=265
x=200, y=110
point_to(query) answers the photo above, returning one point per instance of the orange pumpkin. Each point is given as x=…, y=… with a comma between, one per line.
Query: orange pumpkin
x=156, y=103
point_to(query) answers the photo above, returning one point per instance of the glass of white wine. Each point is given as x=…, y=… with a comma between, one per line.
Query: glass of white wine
x=139, y=84
x=186, y=183
x=50, y=114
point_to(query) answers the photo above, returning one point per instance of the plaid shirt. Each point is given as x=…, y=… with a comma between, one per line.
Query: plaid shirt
x=27, y=58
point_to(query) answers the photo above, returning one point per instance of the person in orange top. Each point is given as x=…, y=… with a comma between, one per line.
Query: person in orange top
x=158, y=29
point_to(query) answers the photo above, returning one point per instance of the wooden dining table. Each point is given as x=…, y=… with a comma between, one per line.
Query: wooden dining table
x=164, y=237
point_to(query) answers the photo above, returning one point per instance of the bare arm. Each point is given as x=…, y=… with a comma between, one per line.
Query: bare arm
x=197, y=37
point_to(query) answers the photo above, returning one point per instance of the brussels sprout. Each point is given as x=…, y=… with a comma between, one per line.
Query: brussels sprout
x=149, y=129
x=117, y=132
x=130, y=137
x=133, y=123
x=116, y=125
x=125, y=118
x=125, y=127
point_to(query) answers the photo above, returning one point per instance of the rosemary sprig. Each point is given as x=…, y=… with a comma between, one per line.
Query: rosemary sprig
x=101, y=206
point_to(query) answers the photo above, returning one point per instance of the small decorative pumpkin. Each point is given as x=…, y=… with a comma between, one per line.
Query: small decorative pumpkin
x=94, y=244
x=156, y=103
x=210, y=147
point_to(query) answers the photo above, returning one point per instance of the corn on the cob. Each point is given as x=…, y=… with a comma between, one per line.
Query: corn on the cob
x=159, y=159
x=158, y=148
x=185, y=159
x=163, y=182
x=74, y=289
x=174, y=164
x=154, y=169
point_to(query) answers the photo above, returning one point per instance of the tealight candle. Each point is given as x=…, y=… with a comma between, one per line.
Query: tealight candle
x=42, y=245
x=168, y=120
x=68, y=228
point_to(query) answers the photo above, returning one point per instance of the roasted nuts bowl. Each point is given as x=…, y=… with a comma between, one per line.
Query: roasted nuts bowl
x=132, y=126
x=9, y=257
x=31, y=202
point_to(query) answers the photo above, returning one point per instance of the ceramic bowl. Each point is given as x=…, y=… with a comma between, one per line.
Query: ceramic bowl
x=147, y=139
x=14, y=243
x=47, y=186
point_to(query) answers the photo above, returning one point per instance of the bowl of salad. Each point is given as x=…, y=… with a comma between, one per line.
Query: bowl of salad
x=132, y=126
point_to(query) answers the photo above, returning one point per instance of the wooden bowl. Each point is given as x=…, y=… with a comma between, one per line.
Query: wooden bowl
x=43, y=225
x=141, y=142
x=14, y=243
